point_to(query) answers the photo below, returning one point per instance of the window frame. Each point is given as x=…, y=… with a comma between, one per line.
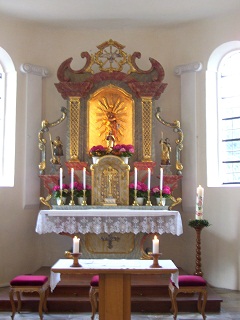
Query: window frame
x=212, y=115
x=7, y=143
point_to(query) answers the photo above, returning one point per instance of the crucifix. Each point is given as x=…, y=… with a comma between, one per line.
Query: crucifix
x=109, y=238
x=109, y=173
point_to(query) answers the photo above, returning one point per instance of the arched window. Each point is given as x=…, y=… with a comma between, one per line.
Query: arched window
x=8, y=85
x=223, y=115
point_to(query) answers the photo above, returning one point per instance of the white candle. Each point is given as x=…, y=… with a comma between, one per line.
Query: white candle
x=199, y=202
x=149, y=178
x=76, y=241
x=61, y=178
x=72, y=178
x=155, y=245
x=161, y=179
x=161, y=135
x=135, y=178
x=84, y=178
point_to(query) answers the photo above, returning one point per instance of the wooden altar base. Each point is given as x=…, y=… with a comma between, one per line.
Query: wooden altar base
x=149, y=295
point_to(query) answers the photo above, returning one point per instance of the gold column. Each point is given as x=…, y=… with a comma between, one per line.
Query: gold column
x=74, y=108
x=147, y=128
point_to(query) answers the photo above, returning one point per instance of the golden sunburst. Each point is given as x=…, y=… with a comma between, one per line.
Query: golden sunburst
x=111, y=117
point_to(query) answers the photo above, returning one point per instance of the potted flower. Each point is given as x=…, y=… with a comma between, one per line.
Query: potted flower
x=97, y=151
x=141, y=191
x=57, y=193
x=78, y=191
x=166, y=193
x=123, y=150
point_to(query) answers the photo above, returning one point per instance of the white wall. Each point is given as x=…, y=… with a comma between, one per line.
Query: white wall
x=171, y=47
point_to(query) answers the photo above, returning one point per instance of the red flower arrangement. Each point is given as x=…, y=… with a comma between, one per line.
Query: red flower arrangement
x=98, y=151
x=78, y=189
x=65, y=190
x=123, y=150
x=166, y=192
x=141, y=189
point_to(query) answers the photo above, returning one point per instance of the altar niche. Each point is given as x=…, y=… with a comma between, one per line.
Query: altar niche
x=110, y=181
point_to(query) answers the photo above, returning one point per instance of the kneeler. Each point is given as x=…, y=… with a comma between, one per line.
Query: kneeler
x=29, y=283
x=189, y=284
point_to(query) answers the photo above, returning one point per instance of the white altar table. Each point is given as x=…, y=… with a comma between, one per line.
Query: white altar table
x=109, y=220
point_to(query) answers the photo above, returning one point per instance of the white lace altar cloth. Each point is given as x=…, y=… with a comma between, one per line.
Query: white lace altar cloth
x=102, y=266
x=109, y=220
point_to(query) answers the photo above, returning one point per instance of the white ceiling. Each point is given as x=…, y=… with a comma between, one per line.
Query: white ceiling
x=116, y=13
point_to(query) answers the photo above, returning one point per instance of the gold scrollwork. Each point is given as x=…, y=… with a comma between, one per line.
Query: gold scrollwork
x=147, y=128
x=45, y=125
x=74, y=127
x=179, y=142
x=46, y=200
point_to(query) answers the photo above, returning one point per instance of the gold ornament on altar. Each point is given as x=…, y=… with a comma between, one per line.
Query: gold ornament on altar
x=165, y=151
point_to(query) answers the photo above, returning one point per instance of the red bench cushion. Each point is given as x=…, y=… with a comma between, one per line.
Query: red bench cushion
x=191, y=281
x=95, y=281
x=28, y=280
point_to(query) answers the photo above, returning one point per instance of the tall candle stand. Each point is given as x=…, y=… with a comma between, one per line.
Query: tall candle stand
x=61, y=198
x=198, y=225
x=135, y=203
x=76, y=263
x=155, y=260
x=84, y=202
x=72, y=203
x=148, y=203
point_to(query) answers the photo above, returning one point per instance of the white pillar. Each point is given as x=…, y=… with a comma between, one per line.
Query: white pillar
x=34, y=75
x=189, y=126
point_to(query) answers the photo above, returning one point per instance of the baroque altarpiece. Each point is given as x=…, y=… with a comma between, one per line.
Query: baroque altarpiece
x=109, y=96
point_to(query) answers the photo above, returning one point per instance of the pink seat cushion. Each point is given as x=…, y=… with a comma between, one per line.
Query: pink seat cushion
x=29, y=280
x=191, y=281
x=95, y=281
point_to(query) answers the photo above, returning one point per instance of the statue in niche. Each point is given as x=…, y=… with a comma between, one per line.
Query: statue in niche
x=165, y=151
x=57, y=151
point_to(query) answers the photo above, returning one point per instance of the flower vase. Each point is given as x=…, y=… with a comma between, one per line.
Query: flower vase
x=80, y=200
x=125, y=159
x=59, y=200
x=140, y=201
x=95, y=159
x=163, y=201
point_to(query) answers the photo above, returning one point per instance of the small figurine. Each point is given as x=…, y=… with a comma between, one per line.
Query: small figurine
x=165, y=151
x=57, y=151
x=110, y=141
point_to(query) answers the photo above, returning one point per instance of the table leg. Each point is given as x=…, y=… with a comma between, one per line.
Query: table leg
x=115, y=297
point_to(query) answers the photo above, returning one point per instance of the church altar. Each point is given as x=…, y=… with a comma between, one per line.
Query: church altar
x=108, y=220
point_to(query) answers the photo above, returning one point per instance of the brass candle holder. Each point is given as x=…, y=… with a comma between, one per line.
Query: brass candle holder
x=72, y=203
x=76, y=263
x=148, y=203
x=84, y=202
x=155, y=260
x=135, y=203
x=160, y=202
x=61, y=198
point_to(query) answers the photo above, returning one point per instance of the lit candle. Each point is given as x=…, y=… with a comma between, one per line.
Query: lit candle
x=76, y=241
x=61, y=178
x=149, y=178
x=199, y=202
x=84, y=178
x=161, y=135
x=135, y=178
x=161, y=179
x=155, y=245
x=72, y=178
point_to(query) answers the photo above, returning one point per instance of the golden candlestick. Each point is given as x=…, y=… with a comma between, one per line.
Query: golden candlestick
x=148, y=200
x=160, y=202
x=61, y=198
x=84, y=202
x=135, y=203
x=72, y=203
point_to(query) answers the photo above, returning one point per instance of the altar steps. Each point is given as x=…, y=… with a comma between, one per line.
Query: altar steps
x=149, y=295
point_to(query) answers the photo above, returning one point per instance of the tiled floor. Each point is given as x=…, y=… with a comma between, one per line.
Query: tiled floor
x=230, y=311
